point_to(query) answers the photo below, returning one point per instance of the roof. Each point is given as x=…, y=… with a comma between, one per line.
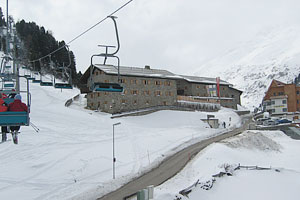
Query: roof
x=197, y=79
x=157, y=73
x=135, y=71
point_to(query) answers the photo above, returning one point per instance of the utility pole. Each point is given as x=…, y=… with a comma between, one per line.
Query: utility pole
x=7, y=29
x=114, y=158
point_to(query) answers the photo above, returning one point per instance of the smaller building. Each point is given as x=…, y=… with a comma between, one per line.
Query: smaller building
x=282, y=98
x=276, y=104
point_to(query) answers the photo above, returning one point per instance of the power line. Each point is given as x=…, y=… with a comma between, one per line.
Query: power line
x=84, y=32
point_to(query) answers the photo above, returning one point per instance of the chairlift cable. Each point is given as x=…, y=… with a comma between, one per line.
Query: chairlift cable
x=84, y=32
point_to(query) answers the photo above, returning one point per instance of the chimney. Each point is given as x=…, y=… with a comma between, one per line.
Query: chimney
x=147, y=66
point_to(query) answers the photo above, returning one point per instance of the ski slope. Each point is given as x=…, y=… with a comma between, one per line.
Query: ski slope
x=71, y=156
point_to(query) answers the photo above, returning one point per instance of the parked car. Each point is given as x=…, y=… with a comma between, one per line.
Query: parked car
x=260, y=121
x=283, y=121
x=270, y=122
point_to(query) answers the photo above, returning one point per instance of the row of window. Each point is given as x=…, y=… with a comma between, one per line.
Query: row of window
x=135, y=92
x=273, y=102
x=283, y=110
x=279, y=94
x=144, y=82
x=124, y=101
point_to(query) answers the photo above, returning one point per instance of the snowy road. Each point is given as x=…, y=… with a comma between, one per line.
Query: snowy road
x=169, y=167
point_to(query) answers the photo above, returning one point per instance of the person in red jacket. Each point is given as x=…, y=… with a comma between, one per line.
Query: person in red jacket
x=17, y=106
x=3, y=108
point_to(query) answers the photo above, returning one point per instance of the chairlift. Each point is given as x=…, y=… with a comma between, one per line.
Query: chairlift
x=69, y=84
x=9, y=85
x=10, y=118
x=44, y=83
x=36, y=81
x=108, y=87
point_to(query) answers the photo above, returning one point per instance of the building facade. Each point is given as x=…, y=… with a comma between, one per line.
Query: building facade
x=145, y=87
x=281, y=98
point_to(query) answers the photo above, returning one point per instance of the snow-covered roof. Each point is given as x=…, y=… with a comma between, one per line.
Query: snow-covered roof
x=157, y=73
x=197, y=79
x=135, y=71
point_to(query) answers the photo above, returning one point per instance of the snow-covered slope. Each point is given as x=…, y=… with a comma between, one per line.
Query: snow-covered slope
x=72, y=153
x=272, y=54
x=252, y=148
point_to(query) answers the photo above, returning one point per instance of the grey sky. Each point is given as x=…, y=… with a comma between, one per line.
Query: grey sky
x=176, y=35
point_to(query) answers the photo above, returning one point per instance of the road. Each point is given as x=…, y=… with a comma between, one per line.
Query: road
x=169, y=167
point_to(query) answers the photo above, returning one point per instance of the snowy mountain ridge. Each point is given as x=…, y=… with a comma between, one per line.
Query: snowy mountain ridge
x=252, y=65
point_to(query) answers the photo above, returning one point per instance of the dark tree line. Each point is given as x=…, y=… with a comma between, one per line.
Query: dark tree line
x=2, y=25
x=35, y=43
x=38, y=42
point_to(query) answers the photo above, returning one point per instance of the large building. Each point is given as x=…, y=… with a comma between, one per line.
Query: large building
x=145, y=87
x=281, y=98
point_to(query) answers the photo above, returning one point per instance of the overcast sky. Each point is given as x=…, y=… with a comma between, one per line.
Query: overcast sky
x=176, y=35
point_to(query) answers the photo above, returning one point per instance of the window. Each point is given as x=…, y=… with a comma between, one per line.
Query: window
x=283, y=101
x=167, y=83
x=164, y=103
x=157, y=83
x=274, y=94
x=158, y=93
x=105, y=102
x=147, y=102
x=92, y=95
x=272, y=102
x=134, y=81
x=135, y=102
x=146, y=92
x=96, y=73
x=134, y=92
x=123, y=80
x=169, y=93
x=106, y=81
x=123, y=101
x=298, y=92
x=98, y=94
x=284, y=110
x=273, y=111
x=280, y=93
x=146, y=82
x=198, y=86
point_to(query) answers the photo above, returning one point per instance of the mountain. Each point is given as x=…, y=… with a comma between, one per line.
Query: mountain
x=250, y=66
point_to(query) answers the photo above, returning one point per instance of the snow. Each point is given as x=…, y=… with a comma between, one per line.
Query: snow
x=255, y=148
x=250, y=66
x=71, y=156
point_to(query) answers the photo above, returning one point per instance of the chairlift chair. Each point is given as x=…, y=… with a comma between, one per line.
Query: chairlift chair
x=9, y=85
x=65, y=85
x=10, y=118
x=44, y=83
x=108, y=87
